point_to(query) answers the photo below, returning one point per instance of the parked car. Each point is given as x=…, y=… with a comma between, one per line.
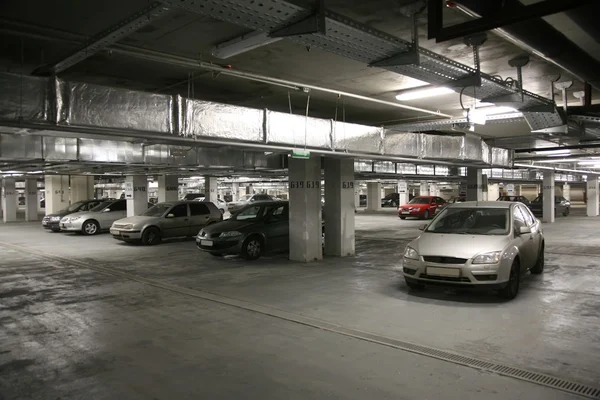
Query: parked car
x=521, y=199
x=221, y=205
x=153, y=200
x=52, y=221
x=166, y=220
x=421, y=207
x=477, y=244
x=96, y=220
x=391, y=200
x=43, y=203
x=561, y=206
x=192, y=196
x=21, y=201
x=252, y=231
x=456, y=199
x=235, y=206
x=362, y=200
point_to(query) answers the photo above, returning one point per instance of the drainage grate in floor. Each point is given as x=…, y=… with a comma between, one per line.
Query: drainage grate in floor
x=529, y=376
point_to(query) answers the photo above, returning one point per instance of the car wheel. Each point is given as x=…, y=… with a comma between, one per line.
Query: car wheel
x=222, y=210
x=55, y=229
x=566, y=212
x=90, y=227
x=212, y=253
x=252, y=248
x=426, y=214
x=402, y=217
x=511, y=290
x=538, y=268
x=151, y=236
x=394, y=204
x=414, y=285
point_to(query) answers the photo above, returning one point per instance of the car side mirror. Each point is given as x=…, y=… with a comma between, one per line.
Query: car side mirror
x=170, y=215
x=523, y=230
x=422, y=227
x=106, y=210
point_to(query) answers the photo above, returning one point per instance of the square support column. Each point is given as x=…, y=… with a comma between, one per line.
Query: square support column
x=402, y=192
x=474, y=184
x=548, y=203
x=235, y=191
x=567, y=191
x=31, y=199
x=210, y=186
x=9, y=200
x=424, y=189
x=168, y=188
x=305, y=209
x=339, y=207
x=82, y=188
x=356, y=195
x=592, y=196
x=493, y=191
x=136, y=194
x=373, y=196
x=56, y=193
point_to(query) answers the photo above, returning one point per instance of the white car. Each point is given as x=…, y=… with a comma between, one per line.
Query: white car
x=221, y=205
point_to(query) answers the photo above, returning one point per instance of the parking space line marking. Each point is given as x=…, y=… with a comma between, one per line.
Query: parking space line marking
x=467, y=361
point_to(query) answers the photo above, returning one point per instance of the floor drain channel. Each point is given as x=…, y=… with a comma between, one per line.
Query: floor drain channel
x=504, y=370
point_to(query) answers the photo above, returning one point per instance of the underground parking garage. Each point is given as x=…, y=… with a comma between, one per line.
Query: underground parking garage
x=330, y=199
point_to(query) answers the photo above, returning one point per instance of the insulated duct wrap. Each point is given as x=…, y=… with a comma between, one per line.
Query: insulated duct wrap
x=100, y=106
x=110, y=151
x=14, y=147
x=60, y=149
x=203, y=118
x=297, y=130
x=501, y=157
x=443, y=147
x=23, y=98
x=486, y=155
x=402, y=144
x=156, y=154
x=472, y=149
x=354, y=137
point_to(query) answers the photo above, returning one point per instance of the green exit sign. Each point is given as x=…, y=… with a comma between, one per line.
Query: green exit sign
x=305, y=154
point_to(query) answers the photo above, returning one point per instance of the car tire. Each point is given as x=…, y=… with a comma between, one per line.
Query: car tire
x=566, y=212
x=511, y=290
x=394, y=204
x=538, y=268
x=414, y=285
x=252, y=247
x=151, y=236
x=222, y=210
x=90, y=227
x=402, y=217
x=55, y=230
x=426, y=214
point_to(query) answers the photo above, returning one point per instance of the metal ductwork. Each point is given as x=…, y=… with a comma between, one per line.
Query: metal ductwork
x=54, y=105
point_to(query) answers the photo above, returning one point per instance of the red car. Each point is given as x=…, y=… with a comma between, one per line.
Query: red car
x=421, y=207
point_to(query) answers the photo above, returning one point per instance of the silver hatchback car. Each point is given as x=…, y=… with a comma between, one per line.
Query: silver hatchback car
x=478, y=244
x=165, y=220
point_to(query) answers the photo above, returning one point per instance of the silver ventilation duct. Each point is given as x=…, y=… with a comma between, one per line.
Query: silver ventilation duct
x=54, y=105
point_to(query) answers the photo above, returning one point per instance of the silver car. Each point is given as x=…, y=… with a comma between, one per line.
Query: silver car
x=477, y=244
x=165, y=220
x=96, y=220
x=246, y=200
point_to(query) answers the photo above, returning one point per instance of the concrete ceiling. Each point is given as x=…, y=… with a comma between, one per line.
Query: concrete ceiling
x=63, y=26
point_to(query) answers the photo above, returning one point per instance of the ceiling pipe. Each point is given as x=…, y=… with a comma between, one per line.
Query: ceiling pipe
x=577, y=171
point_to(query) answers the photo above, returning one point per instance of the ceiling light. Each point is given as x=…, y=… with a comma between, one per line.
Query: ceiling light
x=423, y=93
x=588, y=162
x=243, y=44
x=553, y=152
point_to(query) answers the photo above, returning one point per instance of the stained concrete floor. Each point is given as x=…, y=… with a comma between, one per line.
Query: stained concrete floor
x=90, y=317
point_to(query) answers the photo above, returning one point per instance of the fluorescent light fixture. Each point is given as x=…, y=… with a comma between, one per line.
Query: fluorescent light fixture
x=423, y=93
x=553, y=152
x=589, y=162
x=242, y=44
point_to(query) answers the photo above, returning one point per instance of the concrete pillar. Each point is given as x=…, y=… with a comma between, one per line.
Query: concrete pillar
x=518, y=190
x=474, y=184
x=235, y=191
x=493, y=191
x=592, y=196
x=82, y=188
x=210, y=188
x=249, y=189
x=566, y=192
x=433, y=189
x=402, y=192
x=510, y=189
x=374, y=196
x=424, y=189
x=339, y=207
x=356, y=195
x=9, y=200
x=305, y=209
x=548, y=190
x=168, y=188
x=136, y=194
x=31, y=199
x=56, y=193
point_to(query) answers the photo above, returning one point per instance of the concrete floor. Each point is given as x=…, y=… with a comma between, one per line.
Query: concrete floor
x=90, y=317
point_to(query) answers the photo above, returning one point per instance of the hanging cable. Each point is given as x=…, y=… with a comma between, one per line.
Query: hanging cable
x=290, y=102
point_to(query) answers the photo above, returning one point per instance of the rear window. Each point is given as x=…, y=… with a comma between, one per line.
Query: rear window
x=199, y=209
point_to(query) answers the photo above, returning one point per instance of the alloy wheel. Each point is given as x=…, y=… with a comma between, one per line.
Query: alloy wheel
x=90, y=228
x=253, y=248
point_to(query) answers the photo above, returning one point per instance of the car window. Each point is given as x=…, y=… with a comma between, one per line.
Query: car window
x=280, y=213
x=440, y=200
x=419, y=200
x=249, y=213
x=199, y=209
x=179, y=211
x=157, y=210
x=529, y=219
x=538, y=199
x=472, y=221
x=118, y=206
x=518, y=218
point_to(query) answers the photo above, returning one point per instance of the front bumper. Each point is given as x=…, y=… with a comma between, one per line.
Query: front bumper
x=48, y=224
x=403, y=212
x=71, y=226
x=220, y=245
x=489, y=276
x=125, y=235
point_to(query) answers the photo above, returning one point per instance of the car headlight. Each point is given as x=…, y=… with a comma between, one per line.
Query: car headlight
x=411, y=253
x=487, y=258
x=74, y=218
x=54, y=219
x=127, y=227
x=65, y=219
x=230, y=234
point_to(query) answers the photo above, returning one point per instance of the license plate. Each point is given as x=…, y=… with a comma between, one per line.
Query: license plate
x=114, y=232
x=453, y=272
x=405, y=212
x=206, y=242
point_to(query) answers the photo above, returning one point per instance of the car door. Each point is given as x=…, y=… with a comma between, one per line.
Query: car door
x=199, y=217
x=536, y=230
x=115, y=211
x=433, y=205
x=524, y=242
x=176, y=221
x=277, y=228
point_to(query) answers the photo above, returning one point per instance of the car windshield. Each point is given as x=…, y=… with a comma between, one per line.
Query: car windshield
x=472, y=221
x=246, y=197
x=420, y=200
x=102, y=206
x=250, y=213
x=157, y=210
x=75, y=206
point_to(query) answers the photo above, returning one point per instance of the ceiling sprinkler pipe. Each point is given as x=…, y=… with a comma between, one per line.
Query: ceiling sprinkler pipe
x=577, y=171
